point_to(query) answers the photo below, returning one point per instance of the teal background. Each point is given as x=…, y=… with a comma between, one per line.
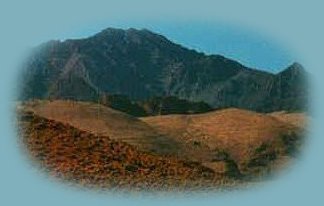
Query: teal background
x=23, y=24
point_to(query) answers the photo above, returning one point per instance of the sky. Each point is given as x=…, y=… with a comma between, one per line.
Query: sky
x=249, y=47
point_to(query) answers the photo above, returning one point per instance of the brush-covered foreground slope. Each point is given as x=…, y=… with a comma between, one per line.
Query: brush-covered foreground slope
x=101, y=120
x=83, y=158
x=252, y=140
x=141, y=64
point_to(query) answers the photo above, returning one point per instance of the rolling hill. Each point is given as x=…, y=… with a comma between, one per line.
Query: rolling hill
x=235, y=141
x=104, y=121
x=237, y=134
x=95, y=161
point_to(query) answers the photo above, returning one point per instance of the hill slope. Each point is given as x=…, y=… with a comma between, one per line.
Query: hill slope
x=252, y=140
x=231, y=141
x=297, y=119
x=104, y=121
x=141, y=64
x=90, y=160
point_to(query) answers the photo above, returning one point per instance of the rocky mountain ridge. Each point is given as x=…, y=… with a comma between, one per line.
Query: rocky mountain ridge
x=141, y=64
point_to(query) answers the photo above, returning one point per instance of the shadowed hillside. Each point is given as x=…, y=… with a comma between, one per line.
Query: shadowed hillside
x=153, y=106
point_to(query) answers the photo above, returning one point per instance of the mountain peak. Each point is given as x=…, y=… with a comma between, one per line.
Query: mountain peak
x=130, y=35
x=131, y=30
x=296, y=65
x=295, y=68
x=110, y=31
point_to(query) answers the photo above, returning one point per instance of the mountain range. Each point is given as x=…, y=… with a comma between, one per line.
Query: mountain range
x=140, y=65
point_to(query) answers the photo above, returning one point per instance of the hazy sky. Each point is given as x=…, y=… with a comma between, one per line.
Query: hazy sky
x=246, y=46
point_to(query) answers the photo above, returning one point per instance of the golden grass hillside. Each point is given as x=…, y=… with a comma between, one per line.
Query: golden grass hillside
x=297, y=119
x=231, y=142
x=104, y=121
x=240, y=134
